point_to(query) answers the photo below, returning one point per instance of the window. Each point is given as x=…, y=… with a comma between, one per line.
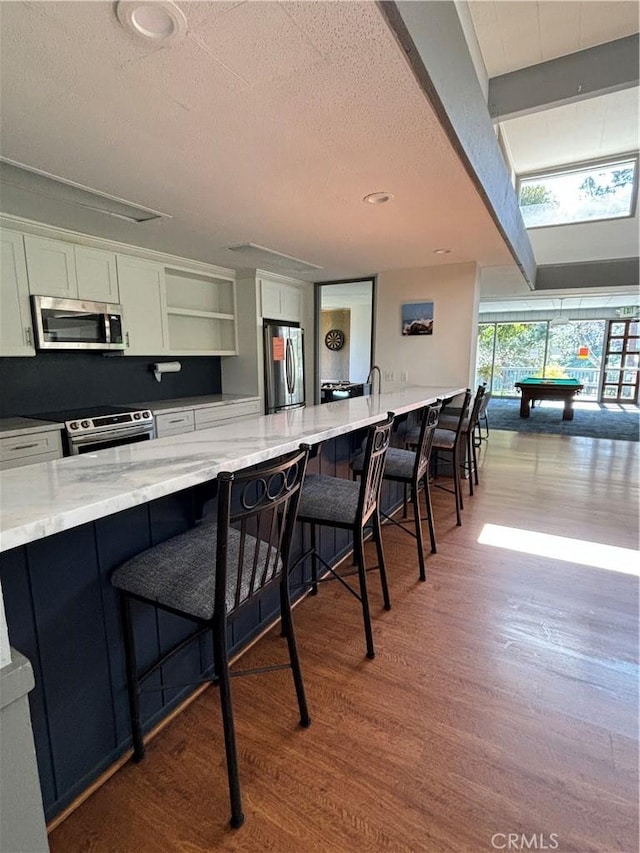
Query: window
x=605, y=190
x=509, y=352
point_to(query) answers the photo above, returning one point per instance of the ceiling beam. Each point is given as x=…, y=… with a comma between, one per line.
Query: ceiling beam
x=434, y=45
x=598, y=70
x=612, y=273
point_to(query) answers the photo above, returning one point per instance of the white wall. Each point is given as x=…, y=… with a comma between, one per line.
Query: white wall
x=360, y=352
x=447, y=357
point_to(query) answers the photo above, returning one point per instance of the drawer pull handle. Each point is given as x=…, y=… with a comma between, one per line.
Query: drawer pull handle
x=25, y=446
x=178, y=421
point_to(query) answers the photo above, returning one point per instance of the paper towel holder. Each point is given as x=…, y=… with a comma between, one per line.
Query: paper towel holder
x=165, y=367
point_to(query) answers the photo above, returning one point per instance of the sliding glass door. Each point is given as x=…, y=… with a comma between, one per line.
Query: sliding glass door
x=509, y=352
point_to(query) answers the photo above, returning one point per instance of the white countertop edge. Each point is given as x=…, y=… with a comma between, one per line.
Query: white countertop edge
x=185, y=404
x=44, y=499
x=13, y=427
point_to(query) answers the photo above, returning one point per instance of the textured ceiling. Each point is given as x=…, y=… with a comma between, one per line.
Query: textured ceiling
x=517, y=33
x=269, y=123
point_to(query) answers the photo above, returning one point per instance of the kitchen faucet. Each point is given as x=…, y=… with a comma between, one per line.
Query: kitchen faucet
x=374, y=367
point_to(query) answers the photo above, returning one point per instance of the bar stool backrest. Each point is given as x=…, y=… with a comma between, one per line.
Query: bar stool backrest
x=425, y=441
x=256, y=517
x=464, y=411
x=373, y=467
x=475, y=411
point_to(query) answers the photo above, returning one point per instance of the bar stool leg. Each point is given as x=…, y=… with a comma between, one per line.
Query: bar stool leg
x=287, y=623
x=475, y=465
x=364, y=597
x=470, y=462
x=224, y=681
x=418, y=523
x=314, y=561
x=456, y=487
x=377, y=536
x=427, y=498
x=133, y=687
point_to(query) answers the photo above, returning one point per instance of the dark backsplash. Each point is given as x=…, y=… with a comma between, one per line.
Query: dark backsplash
x=55, y=381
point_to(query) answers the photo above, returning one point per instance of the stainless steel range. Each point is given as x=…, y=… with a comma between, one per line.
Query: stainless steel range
x=97, y=428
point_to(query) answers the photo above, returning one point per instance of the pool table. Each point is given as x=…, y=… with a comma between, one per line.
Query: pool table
x=533, y=388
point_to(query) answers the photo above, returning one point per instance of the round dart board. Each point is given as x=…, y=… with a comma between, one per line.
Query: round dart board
x=334, y=339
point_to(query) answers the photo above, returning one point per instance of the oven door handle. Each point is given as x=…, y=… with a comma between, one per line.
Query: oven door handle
x=109, y=435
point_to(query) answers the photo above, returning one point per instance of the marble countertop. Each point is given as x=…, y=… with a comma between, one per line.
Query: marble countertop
x=182, y=404
x=46, y=498
x=12, y=427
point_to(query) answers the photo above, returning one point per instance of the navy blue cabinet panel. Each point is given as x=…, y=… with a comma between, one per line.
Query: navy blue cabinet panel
x=118, y=538
x=71, y=635
x=22, y=635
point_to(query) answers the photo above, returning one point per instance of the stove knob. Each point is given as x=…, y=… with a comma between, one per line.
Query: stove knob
x=73, y=425
x=136, y=416
x=146, y=414
x=85, y=424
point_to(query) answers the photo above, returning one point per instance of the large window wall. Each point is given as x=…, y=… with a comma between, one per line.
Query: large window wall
x=508, y=352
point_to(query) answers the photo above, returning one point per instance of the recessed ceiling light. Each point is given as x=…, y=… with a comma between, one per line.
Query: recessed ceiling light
x=442, y=251
x=159, y=21
x=378, y=198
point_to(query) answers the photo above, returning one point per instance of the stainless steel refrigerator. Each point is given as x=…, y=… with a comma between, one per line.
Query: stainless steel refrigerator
x=283, y=367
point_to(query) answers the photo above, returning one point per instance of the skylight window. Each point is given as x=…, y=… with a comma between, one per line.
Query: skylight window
x=604, y=190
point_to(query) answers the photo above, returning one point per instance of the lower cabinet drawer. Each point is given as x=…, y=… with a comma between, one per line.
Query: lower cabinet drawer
x=29, y=448
x=214, y=415
x=174, y=424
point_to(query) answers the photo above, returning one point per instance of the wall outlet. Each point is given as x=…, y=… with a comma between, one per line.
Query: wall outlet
x=404, y=376
x=390, y=375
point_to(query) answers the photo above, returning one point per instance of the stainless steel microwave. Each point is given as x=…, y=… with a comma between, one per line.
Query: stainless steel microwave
x=77, y=324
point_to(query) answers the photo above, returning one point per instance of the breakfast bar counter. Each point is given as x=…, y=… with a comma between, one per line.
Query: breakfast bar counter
x=66, y=525
x=44, y=499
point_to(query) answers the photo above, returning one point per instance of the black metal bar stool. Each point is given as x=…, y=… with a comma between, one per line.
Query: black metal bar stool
x=449, y=441
x=411, y=468
x=336, y=502
x=211, y=571
x=469, y=426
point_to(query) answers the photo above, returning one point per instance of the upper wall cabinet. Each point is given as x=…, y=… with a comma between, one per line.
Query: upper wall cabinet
x=182, y=308
x=280, y=301
x=97, y=275
x=142, y=295
x=51, y=265
x=57, y=268
x=16, y=330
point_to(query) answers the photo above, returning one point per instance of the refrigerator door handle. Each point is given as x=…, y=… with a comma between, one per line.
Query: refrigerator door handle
x=291, y=375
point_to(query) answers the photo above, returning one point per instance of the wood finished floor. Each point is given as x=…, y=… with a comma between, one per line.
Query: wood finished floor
x=503, y=698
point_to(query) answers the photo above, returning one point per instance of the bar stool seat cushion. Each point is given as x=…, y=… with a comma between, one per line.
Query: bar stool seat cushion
x=450, y=422
x=442, y=438
x=329, y=499
x=399, y=463
x=181, y=572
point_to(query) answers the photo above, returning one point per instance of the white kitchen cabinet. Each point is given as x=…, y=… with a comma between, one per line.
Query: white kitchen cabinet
x=16, y=329
x=188, y=417
x=96, y=274
x=211, y=416
x=174, y=423
x=51, y=267
x=29, y=448
x=58, y=268
x=280, y=301
x=142, y=296
x=201, y=315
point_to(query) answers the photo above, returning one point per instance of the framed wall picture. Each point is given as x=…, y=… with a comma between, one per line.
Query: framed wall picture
x=417, y=318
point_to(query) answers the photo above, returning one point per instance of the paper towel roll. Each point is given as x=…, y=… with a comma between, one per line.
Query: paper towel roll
x=166, y=367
